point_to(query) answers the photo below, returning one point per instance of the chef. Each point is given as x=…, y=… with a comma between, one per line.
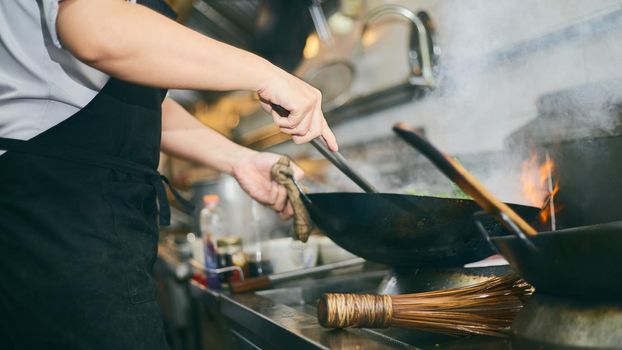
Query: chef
x=83, y=117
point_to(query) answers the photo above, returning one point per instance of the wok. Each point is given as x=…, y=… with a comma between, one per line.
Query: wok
x=581, y=262
x=595, y=200
x=404, y=230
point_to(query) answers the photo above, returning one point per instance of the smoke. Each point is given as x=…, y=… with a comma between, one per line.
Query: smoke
x=524, y=64
x=513, y=73
x=501, y=59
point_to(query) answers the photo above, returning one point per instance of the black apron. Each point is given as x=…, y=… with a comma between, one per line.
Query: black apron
x=78, y=230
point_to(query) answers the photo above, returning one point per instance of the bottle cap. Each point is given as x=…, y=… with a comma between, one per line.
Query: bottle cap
x=211, y=198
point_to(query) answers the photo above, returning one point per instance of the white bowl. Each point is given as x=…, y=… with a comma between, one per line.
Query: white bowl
x=287, y=254
x=330, y=252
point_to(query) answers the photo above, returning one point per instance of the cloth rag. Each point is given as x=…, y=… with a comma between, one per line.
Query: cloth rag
x=283, y=174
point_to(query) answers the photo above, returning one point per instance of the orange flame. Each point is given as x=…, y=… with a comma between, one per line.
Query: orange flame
x=538, y=187
x=534, y=190
x=545, y=213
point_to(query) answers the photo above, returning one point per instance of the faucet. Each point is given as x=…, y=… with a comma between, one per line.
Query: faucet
x=427, y=60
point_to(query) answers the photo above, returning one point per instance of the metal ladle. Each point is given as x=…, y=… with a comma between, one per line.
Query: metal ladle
x=334, y=157
x=340, y=162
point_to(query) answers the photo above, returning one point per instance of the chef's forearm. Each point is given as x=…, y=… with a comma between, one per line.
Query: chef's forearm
x=133, y=43
x=185, y=137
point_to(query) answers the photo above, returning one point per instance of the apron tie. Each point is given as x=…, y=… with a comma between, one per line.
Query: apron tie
x=158, y=182
x=165, y=209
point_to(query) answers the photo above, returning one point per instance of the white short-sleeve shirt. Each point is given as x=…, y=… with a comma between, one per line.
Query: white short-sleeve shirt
x=41, y=84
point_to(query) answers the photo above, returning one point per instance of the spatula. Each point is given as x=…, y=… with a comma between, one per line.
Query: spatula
x=465, y=180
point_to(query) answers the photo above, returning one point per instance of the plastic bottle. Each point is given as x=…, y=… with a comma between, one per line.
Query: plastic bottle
x=197, y=246
x=210, y=221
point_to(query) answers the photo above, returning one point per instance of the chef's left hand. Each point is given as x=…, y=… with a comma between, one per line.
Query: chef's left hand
x=253, y=174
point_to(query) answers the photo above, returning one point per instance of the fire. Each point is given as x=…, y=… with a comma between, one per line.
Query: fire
x=539, y=187
x=545, y=214
x=533, y=180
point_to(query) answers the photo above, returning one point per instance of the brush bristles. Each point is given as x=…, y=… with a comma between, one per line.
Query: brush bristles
x=484, y=308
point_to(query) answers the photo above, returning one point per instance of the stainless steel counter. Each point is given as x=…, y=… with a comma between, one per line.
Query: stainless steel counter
x=284, y=318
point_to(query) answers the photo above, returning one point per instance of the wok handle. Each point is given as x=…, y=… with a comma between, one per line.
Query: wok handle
x=480, y=215
x=334, y=157
x=467, y=182
x=250, y=284
x=255, y=283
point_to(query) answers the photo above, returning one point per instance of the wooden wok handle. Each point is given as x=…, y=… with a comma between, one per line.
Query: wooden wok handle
x=250, y=284
x=458, y=174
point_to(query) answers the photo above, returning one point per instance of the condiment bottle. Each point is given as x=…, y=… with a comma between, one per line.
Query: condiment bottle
x=230, y=253
x=210, y=219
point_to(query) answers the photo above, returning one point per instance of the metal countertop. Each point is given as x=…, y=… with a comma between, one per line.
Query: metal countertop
x=284, y=318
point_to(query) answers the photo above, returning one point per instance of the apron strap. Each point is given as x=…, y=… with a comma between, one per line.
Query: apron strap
x=104, y=161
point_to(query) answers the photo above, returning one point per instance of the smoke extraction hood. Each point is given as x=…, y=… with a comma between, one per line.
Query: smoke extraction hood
x=229, y=21
x=274, y=29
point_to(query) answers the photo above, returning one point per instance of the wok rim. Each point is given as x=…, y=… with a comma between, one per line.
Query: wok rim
x=391, y=194
x=544, y=276
x=422, y=262
x=579, y=230
x=387, y=194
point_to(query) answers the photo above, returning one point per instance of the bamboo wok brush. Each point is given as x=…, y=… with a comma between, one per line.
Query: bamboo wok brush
x=486, y=308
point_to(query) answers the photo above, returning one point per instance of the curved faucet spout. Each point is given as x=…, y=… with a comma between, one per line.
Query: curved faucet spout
x=425, y=58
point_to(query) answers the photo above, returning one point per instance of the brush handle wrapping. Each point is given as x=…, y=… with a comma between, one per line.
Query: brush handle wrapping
x=337, y=310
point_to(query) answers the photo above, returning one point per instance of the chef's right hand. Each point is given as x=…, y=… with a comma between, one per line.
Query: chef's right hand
x=304, y=103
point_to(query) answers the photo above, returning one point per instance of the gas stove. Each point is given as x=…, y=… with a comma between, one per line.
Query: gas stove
x=566, y=323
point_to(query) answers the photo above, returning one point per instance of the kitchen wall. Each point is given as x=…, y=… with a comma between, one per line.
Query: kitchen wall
x=481, y=102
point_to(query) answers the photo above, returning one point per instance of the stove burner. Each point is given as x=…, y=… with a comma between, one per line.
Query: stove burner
x=428, y=279
x=563, y=323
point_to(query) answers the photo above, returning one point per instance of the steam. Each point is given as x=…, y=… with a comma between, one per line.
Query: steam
x=505, y=65
x=500, y=60
x=526, y=62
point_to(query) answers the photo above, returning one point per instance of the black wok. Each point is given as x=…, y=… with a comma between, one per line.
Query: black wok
x=581, y=262
x=404, y=230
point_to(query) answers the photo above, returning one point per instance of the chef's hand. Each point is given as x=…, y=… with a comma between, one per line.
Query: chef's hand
x=253, y=175
x=304, y=103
